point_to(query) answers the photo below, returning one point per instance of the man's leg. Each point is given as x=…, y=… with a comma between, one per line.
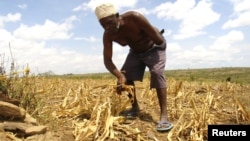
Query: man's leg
x=163, y=124
x=135, y=106
x=162, y=97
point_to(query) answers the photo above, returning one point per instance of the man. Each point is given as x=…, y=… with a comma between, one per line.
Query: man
x=147, y=49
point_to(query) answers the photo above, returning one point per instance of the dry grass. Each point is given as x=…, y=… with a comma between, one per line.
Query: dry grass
x=90, y=107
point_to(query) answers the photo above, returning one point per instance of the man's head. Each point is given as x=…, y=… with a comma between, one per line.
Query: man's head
x=105, y=10
x=108, y=17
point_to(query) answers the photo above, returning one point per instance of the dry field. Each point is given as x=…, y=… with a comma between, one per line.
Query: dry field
x=88, y=109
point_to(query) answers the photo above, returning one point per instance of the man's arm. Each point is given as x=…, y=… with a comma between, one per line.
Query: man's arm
x=107, y=56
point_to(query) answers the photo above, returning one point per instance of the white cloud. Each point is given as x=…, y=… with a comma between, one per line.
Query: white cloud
x=241, y=15
x=241, y=5
x=28, y=45
x=89, y=39
x=173, y=47
x=144, y=11
x=194, y=17
x=93, y=3
x=5, y=35
x=197, y=19
x=9, y=18
x=177, y=10
x=48, y=31
x=83, y=6
x=22, y=6
x=42, y=57
x=242, y=20
x=220, y=52
x=197, y=53
x=225, y=43
x=119, y=55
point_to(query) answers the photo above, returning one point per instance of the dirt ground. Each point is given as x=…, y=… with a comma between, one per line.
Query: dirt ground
x=145, y=122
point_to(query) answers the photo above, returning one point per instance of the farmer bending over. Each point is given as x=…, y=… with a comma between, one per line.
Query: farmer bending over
x=147, y=49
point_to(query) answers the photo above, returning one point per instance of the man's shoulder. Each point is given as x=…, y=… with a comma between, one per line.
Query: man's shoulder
x=131, y=13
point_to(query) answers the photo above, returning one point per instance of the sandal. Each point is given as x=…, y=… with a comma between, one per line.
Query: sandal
x=164, y=126
x=129, y=114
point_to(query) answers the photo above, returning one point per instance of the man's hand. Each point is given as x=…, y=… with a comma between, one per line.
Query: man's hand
x=120, y=83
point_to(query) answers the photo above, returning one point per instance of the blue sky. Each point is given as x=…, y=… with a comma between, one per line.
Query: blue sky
x=65, y=36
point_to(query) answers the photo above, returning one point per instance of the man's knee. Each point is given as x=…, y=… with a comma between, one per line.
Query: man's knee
x=157, y=73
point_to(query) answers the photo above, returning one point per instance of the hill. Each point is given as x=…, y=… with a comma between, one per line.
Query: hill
x=232, y=74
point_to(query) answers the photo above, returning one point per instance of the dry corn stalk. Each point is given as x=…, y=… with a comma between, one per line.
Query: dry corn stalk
x=104, y=122
x=241, y=113
x=192, y=112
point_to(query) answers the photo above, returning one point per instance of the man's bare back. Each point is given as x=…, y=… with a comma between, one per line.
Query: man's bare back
x=135, y=32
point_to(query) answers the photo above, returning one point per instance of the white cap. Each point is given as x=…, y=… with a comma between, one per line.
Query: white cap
x=105, y=10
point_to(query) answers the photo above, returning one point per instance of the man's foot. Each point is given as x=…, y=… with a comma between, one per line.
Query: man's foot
x=164, y=126
x=130, y=114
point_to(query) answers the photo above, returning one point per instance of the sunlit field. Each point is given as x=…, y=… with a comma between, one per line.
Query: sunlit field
x=86, y=107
